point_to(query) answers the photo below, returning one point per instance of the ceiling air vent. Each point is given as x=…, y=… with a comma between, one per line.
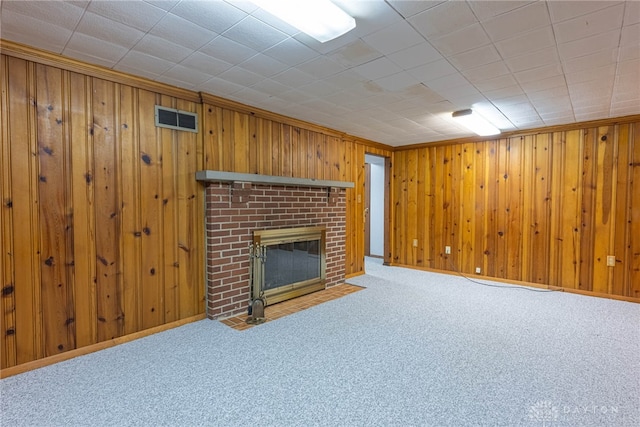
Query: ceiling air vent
x=176, y=119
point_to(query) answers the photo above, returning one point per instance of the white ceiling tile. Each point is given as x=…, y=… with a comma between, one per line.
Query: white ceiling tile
x=110, y=31
x=414, y=56
x=318, y=89
x=589, y=91
x=161, y=48
x=206, y=64
x=293, y=95
x=190, y=35
x=486, y=72
x=321, y=67
x=370, y=16
x=451, y=80
x=629, y=67
x=529, y=41
x=516, y=22
x=136, y=71
x=494, y=83
x=270, y=20
x=540, y=73
x=588, y=25
x=255, y=34
x=547, y=94
x=631, y=12
x=393, y=38
x=215, y=16
x=344, y=79
x=163, y=4
x=263, y=65
x=241, y=76
x=474, y=58
x=293, y=78
x=60, y=14
x=534, y=59
x=488, y=9
x=187, y=75
x=139, y=15
x=566, y=10
x=630, y=35
x=585, y=46
x=397, y=82
x=377, y=68
x=24, y=29
x=591, y=61
x=543, y=84
x=90, y=59
x=604, y=74
x=291, y=52
x=433, y=70
x=470, y=37
x=355, y=53
x=142, y=61
x=108, y=52
x=507, y=95
x=558, y=104
x=409, y=8
x=227, y=50
x=441, y=19
x=270, y=87
x=422, y=93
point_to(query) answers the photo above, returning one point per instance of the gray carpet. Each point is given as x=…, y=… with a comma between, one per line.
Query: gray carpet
x=414, y=348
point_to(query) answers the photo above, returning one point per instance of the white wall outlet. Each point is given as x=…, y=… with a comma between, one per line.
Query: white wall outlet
x=447, y=249
x=478, y=270
x=415, y=243
x=611, y=261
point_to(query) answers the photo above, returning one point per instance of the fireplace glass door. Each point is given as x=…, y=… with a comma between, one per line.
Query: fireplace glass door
x=293, y=263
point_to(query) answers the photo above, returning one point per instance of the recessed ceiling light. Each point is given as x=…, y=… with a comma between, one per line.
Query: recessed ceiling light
x=321, y=19
x=475, y=122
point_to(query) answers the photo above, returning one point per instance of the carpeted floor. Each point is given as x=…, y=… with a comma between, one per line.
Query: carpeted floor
x=413, y=348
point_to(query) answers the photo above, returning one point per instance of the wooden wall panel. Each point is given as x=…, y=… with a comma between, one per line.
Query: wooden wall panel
x=237, y=141
x=546, y=208
x=107, y=209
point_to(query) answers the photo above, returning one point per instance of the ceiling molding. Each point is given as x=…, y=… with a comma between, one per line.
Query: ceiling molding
x=526, y=132
x=29, y=53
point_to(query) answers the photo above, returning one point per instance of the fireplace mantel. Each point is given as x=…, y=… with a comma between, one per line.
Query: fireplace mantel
x=219, y=176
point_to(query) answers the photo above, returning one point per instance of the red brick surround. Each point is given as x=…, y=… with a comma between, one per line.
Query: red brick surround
x=234, y=211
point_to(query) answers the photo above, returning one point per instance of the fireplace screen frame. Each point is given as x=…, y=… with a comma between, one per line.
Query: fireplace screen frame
x=264, y=238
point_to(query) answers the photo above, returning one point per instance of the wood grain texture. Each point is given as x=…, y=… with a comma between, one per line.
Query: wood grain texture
x=107, y=209
x=545, y=208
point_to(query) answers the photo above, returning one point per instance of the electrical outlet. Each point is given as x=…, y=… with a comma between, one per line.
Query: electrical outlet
x=478, y=270
x=447, y=249
x=415, y=243
x=611, y=261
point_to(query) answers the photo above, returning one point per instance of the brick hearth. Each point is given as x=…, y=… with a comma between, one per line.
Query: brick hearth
x=235, y=210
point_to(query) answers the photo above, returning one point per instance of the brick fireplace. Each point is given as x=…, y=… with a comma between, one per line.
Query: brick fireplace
x=236, y=207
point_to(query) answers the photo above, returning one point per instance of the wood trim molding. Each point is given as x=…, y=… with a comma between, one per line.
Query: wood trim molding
x=216, y=101
x=56, y=60
x=40, y=363
x=522, y=283
x=525, y=132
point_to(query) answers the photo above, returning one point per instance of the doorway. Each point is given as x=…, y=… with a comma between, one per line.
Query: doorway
x=376, y=212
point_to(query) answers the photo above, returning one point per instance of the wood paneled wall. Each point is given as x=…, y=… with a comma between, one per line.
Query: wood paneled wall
x=243, y=141
x=101, y=218
x=543, y=208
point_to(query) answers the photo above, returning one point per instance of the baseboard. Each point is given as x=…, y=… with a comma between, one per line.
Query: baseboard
x=40, y=363
x=523, y=283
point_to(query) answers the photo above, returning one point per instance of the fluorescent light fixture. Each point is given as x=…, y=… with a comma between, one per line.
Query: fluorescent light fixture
x=321, y=19
x=475, y=122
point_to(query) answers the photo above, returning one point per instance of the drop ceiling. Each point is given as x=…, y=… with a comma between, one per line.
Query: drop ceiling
x=394, y=79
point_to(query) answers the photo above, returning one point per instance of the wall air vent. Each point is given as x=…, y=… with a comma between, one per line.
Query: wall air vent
x=176, y=119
